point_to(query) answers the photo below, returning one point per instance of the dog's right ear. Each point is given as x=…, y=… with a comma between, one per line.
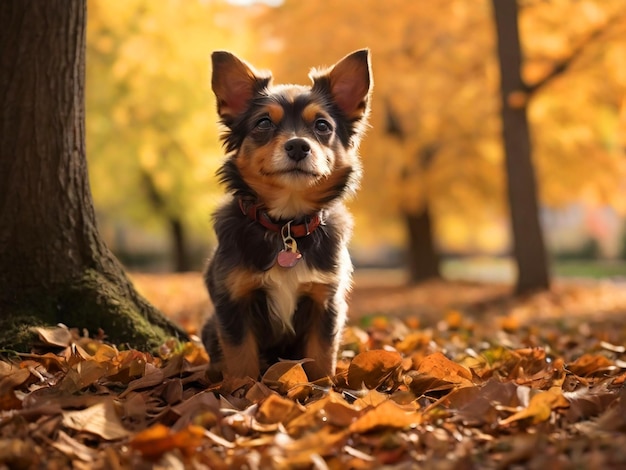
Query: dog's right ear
x=234, y=83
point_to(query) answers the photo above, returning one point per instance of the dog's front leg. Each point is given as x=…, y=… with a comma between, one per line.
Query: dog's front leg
x=240, y=356
x=319, y=322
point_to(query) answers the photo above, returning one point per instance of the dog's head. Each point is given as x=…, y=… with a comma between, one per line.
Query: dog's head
x=292, y=147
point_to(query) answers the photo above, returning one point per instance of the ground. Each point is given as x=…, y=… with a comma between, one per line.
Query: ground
x=444, y=375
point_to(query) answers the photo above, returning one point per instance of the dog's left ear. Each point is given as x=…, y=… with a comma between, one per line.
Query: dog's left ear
x=349, y=82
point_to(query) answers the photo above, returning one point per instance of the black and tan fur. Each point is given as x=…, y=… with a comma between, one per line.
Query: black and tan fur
x=291, y=152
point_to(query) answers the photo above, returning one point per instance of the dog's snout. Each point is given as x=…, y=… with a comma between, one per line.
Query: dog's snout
x=297, y=149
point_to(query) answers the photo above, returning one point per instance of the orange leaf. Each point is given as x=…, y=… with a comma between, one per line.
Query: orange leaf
x=372, y=368
x=439, y=366
x=540, y=407
x=386, y=415
x=454, y=319
x=589, y=364
x=285, y=375
x=157, y=440
x=276, y=409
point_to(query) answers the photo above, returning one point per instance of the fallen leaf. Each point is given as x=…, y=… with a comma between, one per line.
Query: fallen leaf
x=439, y=366
x=73, y=449
x=590, y=364
x=100, y=419
x=285, y=375
x=386, y=415
x=59, y=336
x=159, y=439
x=540, y=407
x=372, y=368
x=276, y=409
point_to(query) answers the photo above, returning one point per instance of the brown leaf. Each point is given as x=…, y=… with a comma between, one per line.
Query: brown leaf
x=386, y=415
x=477, y=405
x=373, y=368
x=285, y=375
x=73, y=449
x=586, y=403
x=58, y=336
x=154, y=376
x=100, y=419
x=11, y=377
x=590, y=364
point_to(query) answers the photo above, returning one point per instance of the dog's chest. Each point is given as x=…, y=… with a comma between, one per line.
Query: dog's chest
x=284, y=286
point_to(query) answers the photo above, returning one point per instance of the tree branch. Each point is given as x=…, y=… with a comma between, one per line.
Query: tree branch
x=565, y=64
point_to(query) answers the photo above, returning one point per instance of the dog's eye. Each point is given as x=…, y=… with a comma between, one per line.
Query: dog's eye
x=264, y=124
x=322, y=126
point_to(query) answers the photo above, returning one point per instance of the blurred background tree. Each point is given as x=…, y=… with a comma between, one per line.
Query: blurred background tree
x=152, y=139
x=434, y=181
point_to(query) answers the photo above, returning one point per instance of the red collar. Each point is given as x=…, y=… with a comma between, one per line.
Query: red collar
x=257, y=212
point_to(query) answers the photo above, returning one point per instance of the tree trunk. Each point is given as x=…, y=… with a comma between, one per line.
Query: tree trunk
x=528, y=244
x=54, y=266
x=423, y=259
x=180, y=255
x=179, y=245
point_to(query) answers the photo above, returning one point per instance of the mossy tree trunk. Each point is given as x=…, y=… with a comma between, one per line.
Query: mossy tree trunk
x=54, y=267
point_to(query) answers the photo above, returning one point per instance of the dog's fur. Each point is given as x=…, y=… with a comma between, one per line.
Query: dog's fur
x=291, y=158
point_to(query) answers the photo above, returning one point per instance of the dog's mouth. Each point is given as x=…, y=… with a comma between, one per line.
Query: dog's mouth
x=297, y=172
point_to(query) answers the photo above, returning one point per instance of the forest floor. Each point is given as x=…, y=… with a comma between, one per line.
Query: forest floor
x=444, y=375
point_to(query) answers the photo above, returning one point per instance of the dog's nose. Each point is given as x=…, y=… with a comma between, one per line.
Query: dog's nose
x=297, y=149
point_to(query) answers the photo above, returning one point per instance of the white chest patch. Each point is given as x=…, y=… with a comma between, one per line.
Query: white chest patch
x=284, y=286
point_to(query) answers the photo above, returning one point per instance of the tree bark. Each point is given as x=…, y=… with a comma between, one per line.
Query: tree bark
x=528, y=244
x=179, y=245
x=54, y=267
x=423, y=260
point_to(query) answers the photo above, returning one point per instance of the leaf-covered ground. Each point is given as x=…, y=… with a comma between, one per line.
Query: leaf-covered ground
x=440, y=376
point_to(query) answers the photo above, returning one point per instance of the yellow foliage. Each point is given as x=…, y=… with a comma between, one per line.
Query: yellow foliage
x=150, y=107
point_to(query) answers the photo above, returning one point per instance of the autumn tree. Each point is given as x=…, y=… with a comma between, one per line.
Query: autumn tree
x=54, y=266
x=528, y=244
x=426, y=155
x=434, y=70
x=151, y=114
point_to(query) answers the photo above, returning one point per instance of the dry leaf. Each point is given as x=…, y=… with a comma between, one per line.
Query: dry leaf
x=73, y=449
x=276, y=409
x=540, y=407
x=285, y=375
x=372, y=368
x=57, y=336
x=439, y=366
x=386, y=415
x=159, y=439
x=100, y=419
x=589, y=364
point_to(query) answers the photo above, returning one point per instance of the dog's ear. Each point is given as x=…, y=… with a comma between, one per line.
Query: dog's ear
x=234, y=83
x=349, y=82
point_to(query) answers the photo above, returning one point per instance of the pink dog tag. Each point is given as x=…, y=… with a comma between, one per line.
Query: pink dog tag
x=288, y=259
x=289, y=256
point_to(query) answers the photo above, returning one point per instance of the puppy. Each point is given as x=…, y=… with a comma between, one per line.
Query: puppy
x=281, y=271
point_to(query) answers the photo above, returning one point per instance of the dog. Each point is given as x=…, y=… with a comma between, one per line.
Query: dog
x=281, y=271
